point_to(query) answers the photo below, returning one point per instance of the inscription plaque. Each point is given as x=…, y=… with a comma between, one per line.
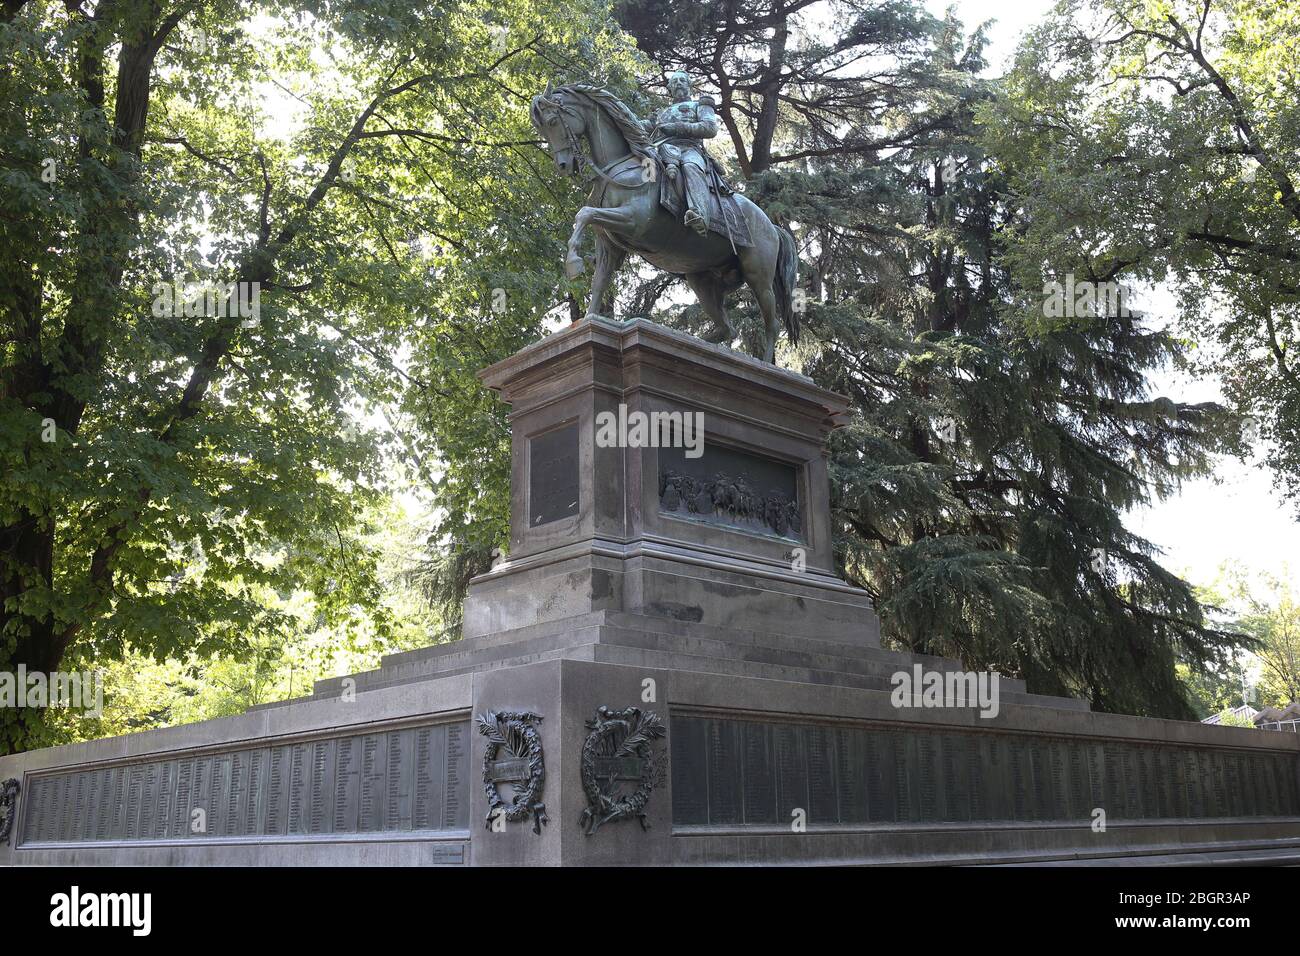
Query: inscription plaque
x=553, y=475
x=725, y=770
x=881, y=804
x=955, y=777
x=417, y=782
x=455, y=806
x=822, y=804
x=791, y=769
x=688, y=750
x=759, y=775
x=725, y=795
x=851, y=773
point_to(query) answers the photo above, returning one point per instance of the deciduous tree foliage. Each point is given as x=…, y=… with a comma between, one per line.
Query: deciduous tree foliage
x=1160, y=140
x=371, y=167
x=160, y=471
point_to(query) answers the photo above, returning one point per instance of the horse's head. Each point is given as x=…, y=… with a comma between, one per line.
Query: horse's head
x=561, y=124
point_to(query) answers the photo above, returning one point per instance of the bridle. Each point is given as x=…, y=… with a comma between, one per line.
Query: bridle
x=559, y=108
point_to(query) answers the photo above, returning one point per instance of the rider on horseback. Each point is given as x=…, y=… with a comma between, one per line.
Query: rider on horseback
x=679, y=131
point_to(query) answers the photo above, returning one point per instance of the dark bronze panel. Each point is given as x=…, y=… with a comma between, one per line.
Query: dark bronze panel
x=852, y=774
x=1192, y=778
x=978, y=755
x=374, y=773
x=222, y=796
x=1267, y=786
x=347, y=785
x=553, y=488
x=688, y=747
x=277, y=791
x=135, y=797
x=1080, y=804
x=882, y=803
x=954, y=764
x=1001, y=789
x=200, y=798
x=1022, y=779
x=1249, y=785
x=1058, y=759
x=455, y=815
x=183, y=798
x=1042, y=786
x=822, y=804
x=929, y=787
x=1116, y=798
x=725, y=785
x=791, y=769
x=430, y=781
x=907, y=776
x=1132, y=789
x=401, y=779
x=730, y=487
x=320, y=817
x=759, y=791
x=255, y=816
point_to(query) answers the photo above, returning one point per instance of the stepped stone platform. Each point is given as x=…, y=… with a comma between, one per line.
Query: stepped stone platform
x=665, y=670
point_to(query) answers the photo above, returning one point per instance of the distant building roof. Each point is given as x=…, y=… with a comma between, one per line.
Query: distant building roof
x=1268, y=713
x=1245, y=710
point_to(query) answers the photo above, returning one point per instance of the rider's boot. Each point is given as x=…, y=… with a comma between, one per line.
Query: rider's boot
x=697, y=200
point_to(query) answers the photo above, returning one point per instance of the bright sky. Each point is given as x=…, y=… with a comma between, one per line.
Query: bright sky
x=1236, y=515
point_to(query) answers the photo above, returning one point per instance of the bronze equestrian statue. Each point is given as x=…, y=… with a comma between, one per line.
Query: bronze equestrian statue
x=644, y=173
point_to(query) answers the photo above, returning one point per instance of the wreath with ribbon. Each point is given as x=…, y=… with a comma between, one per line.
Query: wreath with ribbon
x=8, y=807
x=513, y=732
x=615, y=734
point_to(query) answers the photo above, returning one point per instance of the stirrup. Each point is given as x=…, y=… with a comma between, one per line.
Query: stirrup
x=694, y=221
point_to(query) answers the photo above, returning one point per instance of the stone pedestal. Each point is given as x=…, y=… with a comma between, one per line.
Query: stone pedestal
x=665, y=670
x=597, y=528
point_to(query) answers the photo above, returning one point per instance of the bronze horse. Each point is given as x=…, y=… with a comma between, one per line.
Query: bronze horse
x=626, y=215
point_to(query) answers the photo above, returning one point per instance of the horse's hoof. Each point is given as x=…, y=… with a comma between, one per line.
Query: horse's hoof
x=718, y=334
x=574, y=267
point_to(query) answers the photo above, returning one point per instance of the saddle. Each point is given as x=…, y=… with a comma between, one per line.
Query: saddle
x=724, y=212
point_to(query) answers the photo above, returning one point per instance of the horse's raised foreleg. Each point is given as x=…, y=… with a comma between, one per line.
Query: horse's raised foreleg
x=611, y=217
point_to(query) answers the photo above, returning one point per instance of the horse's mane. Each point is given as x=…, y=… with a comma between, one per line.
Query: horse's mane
x=628, y=123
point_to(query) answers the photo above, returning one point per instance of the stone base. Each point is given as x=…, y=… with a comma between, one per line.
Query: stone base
x=668, y=582
x=779, y=749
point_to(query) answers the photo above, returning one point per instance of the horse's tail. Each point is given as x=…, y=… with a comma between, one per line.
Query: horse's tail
x=783, y=283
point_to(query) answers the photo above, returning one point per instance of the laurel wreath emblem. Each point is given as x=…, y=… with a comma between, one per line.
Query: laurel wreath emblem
x=8, y=807
x=615, y=734
x=513, y=732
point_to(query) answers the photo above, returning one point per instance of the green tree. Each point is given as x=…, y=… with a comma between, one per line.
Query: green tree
x=983, y=484
x=1160, y=137
x=1267, y=610
x=168, y=479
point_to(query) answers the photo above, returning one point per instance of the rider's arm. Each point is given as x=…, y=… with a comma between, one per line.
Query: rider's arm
x=704, y=127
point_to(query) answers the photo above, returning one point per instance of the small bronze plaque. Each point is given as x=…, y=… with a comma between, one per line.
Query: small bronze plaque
x=553, y=475
x=620, y=768
x=508, y=771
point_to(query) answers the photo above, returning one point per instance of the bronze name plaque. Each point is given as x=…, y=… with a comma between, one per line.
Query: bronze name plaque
x=553, y=491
